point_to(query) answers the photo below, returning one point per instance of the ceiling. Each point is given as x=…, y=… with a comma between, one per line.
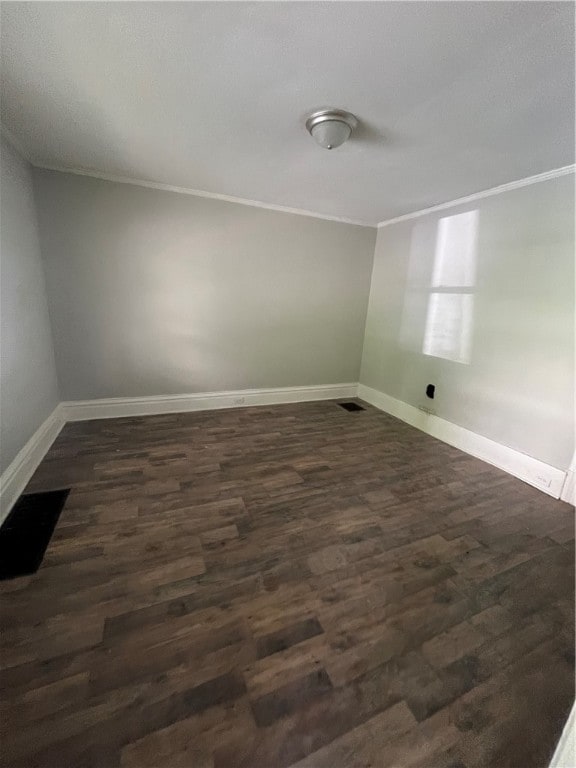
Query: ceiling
x=454, y=97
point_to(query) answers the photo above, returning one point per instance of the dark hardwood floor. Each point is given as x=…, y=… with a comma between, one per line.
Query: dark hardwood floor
x=287, y=586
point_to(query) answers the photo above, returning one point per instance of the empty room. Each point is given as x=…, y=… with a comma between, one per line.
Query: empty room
x=287, y=461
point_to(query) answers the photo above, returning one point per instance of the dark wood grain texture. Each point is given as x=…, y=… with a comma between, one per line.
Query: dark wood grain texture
x=287, y=586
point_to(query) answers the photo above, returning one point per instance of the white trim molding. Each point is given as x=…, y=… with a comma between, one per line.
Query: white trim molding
x=554, y=174
x=95, y=174
x=569, y=490
x=110, y=408
x=532, y=471
x=201, y=193
x=565, y=753
x=16, y=476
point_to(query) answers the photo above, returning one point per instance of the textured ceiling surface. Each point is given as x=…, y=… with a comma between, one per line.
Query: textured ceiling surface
x=454, y=97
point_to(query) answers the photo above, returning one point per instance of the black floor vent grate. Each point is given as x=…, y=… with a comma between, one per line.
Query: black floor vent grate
x=351, y=407
x=27, y=531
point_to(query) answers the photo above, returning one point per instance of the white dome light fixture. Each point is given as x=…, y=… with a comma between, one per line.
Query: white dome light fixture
x=331, y=127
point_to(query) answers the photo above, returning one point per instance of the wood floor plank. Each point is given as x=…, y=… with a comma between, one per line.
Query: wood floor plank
x=287, y=586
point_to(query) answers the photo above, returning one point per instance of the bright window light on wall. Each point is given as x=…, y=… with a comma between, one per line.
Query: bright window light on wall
x=450, y=315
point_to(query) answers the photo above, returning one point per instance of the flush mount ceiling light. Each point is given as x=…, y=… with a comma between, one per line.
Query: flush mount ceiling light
x=331, y=127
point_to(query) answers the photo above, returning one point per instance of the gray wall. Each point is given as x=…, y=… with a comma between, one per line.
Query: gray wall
x=153, y=292
x=28, y=383
x=515, y=382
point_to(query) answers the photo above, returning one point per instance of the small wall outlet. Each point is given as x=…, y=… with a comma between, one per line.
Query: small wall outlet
x=545, y=482
x=239, y=400
x=430, y=390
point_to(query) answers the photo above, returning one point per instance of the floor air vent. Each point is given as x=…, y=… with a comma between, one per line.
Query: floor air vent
x=351, y=407
x=27, y=531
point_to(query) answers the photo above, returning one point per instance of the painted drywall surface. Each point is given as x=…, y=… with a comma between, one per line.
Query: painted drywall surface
x=452, y=97
x=512, y=379
x=28, y=382
x=154, y=292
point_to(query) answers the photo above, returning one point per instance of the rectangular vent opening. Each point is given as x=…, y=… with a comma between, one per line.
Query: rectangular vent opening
x=351, y=406
x=27, y=531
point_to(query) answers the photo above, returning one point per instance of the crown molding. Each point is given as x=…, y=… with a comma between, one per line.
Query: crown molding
x=554, y=174
x=201, y=193
x=509, y=186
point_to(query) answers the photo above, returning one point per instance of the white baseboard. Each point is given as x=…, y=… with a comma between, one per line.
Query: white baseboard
x=532, y=471
x=549, y=479
x=16, y=476
x=569, y=490
x=110, y=408
x=565, y=753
